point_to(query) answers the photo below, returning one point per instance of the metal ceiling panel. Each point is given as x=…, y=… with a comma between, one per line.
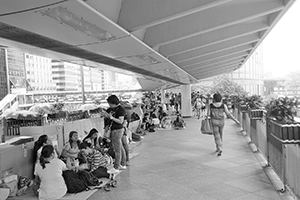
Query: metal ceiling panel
x=221, y=54
x=111, y=9
x=214, y=37
x=11, y=7
x=221, y=16
x=248, y=39
x=224, y=59
x=215, y=67
x=158, y=11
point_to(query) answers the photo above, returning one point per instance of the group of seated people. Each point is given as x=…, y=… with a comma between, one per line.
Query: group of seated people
x=157, y=118
x=80, y=162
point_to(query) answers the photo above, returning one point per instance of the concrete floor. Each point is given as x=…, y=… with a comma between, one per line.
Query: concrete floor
x=182, y=165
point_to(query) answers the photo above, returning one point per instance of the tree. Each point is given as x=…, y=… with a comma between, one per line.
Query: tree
x=292, y=82
x=202, y=89
x=226, y=87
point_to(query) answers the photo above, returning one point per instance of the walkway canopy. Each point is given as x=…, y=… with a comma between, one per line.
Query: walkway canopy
x=159, y=41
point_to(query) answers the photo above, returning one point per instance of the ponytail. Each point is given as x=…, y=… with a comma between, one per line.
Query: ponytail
x=46, y=153
x=37, y=145
x=43, y=162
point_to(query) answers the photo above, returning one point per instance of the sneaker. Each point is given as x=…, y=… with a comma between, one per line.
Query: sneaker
x=113, y=171
x=220, y=153
x=121, y=167
x=127, y=163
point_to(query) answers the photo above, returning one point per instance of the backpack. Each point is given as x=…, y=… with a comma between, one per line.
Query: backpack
x=73, y=182
x=88, y=178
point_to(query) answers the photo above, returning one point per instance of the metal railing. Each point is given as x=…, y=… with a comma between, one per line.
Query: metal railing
x=283, y=155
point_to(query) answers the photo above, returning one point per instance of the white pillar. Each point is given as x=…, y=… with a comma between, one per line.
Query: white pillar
x=186, y=105
x=162, y=92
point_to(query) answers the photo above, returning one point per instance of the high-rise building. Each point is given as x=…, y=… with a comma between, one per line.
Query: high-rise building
x=86, y=78
x=4, y=86
x=109, y=80
x=250, y=76
x=97, y=79
x=16, y=70
x=65, y=75
x=39, y=73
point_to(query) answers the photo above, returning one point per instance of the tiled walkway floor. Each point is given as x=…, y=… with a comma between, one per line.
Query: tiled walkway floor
x=182, y=165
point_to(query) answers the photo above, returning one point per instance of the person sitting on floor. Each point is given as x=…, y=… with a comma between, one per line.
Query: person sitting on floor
x=179, y=122
x=155, y=120
x=166, y=121
x=100, y=165
x=92, y=138
x=38, y=146
x=71, y=149
x=49, y=170
x=147, y=123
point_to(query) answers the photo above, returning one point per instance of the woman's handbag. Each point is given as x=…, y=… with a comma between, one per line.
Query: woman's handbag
x=206, y=127
x=107, y=132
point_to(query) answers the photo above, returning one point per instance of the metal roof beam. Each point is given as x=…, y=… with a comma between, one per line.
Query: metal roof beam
x=213, y=37
x=216, y=61
x=200, y=69
x=240, y=49
x=214, y=72
x=136, y=15
x=215, y=48
x=209, y=20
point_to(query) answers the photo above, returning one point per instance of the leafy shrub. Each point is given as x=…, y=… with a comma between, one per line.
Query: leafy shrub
x=282, y=109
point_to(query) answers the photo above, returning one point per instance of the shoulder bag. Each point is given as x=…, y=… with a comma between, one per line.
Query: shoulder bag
x=206, y=127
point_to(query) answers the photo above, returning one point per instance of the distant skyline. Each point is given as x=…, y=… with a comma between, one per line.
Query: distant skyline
x=280, y=47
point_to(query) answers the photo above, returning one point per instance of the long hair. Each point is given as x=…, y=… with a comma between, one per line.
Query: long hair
x=84, y=145
x=46, y=153
x=92, y=132
x=37, y=145
x=70, y=139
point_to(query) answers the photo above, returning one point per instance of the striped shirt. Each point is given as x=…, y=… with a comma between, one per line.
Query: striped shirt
x=96, y=160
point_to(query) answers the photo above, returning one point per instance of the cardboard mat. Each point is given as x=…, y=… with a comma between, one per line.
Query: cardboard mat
x=79, y=196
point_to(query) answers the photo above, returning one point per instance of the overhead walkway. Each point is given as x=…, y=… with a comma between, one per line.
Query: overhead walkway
x=161, y=42
x=182, y=164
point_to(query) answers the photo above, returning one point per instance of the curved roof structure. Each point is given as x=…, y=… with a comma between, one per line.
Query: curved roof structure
x=160, y=41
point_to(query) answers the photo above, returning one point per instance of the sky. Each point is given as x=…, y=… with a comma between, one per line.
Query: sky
x=281, y=46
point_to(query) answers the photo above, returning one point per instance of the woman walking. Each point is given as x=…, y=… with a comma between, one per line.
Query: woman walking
x=216, y=112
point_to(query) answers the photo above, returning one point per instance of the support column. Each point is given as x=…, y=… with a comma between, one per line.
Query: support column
x=186, y=105
x=162, y=92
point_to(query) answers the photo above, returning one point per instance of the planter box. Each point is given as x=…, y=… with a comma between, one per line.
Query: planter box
x=57, y=116
x=285, y=131
x=243, y=108
x=77, y=115
x=256, y=114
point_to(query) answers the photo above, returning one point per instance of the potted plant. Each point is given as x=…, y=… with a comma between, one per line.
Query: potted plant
x=242, y=103
x=281, y=113
x=255, y=105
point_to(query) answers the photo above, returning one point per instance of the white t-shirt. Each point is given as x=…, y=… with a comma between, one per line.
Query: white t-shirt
x=53, y=185
x=39, y=152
